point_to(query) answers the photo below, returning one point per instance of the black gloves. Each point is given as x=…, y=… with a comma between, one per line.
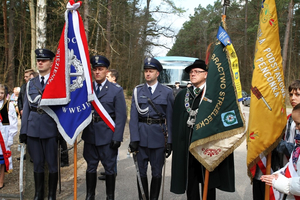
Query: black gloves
x=134, y=146
x=23, y=138
x=168, y=150
x=115, y=144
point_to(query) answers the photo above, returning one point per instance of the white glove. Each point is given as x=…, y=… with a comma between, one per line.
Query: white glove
x=282, y=184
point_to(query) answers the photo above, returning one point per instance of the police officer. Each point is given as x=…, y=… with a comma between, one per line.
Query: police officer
x=146, y=122
x=100, y=142
x=38, y=129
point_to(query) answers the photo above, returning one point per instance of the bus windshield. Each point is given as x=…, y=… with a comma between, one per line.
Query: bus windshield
x=173, y=69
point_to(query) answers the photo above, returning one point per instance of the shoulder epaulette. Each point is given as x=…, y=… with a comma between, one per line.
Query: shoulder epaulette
x=167, y=86
x=140, y=85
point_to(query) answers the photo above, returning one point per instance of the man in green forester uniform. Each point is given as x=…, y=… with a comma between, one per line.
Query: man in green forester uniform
x=187, y=171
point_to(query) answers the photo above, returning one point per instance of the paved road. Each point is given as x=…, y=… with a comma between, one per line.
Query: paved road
x=126, y=188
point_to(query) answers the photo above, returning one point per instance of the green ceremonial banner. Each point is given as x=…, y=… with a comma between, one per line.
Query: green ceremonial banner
x=219, y=127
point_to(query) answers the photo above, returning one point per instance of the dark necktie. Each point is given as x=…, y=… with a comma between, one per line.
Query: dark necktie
x=42, y=81
x=98, y=89
x=197, y=91
x=150, y=90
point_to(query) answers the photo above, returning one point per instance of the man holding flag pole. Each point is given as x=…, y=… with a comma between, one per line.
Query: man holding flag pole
x=214, y=124
x=68, y=96
x=267, y=117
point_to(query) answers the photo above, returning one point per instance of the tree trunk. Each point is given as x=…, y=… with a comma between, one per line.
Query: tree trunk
x=11, y=54
x=5, y=39
x=144, y=38
x=33, y=34
x=85, y=19
x=287, y=35
x=41, y=17
x=108, y=30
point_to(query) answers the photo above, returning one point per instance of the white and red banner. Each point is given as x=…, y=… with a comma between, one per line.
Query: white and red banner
x=68, y=96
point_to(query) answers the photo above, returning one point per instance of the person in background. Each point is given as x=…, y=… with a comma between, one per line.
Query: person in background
x=281, y=154
x=112, y=76
x=14, y=98
x=188, y=85
x=100, y=142
x=23, y=90
x=9, y=128
x=177, y=88
x=34, y=74
x=148, y=123
x=287, y=179
x=39, y=130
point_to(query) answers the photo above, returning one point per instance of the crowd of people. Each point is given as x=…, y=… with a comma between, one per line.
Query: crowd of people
x=158, y=127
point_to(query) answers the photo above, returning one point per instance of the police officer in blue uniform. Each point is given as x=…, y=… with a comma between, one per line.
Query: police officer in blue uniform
x=100, y=142
x=146, y=125
x=39, y=130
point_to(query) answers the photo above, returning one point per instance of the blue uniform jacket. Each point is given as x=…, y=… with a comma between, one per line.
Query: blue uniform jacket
x=151, y=136
x=35, y=124
x=112, y=99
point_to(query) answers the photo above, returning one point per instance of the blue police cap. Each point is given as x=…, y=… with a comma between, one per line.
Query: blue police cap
x=152, y=63
x=44, y=54
x=100, y=61
x=197, y=64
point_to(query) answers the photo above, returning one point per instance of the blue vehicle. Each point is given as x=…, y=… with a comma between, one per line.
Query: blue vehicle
x=173, y=70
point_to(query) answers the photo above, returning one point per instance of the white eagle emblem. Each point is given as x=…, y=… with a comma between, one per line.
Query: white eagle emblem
x=79, y=74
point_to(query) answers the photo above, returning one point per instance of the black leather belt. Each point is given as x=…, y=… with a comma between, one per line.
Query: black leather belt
x=97, y=118
x=152, y=120
x=38, y=110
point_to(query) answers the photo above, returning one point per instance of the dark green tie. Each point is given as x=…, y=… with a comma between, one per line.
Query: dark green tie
x=197, y=91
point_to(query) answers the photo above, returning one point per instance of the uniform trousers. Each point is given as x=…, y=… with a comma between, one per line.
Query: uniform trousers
x=156, y=158
x=42, y=150
x=93, y=154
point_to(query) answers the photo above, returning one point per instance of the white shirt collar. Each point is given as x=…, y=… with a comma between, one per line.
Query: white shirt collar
x=201, y=87
x=153, y=87
x=46, y=77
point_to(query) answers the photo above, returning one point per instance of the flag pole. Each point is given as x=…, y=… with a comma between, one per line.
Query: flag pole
x=205, y=184
x=225, y=4
x=75, y=170
x=268, y=171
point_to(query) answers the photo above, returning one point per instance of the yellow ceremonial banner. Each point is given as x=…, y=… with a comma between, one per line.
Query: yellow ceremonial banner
x=267, y=117
x=234, y=62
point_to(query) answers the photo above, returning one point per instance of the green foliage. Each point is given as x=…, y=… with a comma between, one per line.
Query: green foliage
x=201, y=29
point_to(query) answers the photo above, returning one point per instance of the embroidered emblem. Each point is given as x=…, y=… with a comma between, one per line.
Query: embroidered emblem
x=79, y=74
x=211, y=152
x=229, y=118
x=252, y=136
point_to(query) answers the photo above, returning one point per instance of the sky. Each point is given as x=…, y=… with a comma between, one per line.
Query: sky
x=177, y=22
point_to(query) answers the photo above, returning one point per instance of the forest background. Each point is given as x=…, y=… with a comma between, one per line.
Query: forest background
x=126, y=31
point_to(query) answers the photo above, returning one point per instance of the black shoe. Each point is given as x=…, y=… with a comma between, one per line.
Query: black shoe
x=24, y=158
x=64, y=164
x=103, y=177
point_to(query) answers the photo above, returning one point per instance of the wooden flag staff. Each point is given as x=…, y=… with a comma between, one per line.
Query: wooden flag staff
x=75, y=170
